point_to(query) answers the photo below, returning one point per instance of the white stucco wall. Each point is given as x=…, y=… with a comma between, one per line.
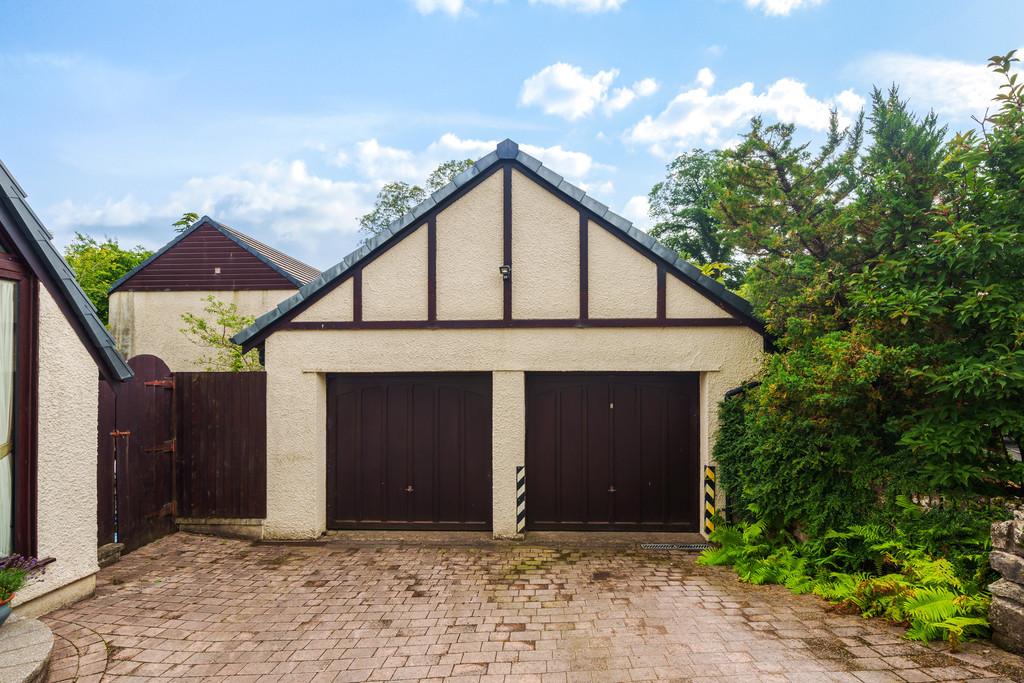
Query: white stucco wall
x=545, y=253
x=508, y=447
x=298, y=360
x=394, y=283
x=150, y=322
x=469, y=253
x=683, y=301
x=621, y=282
x=67, y=419
x=337, y=305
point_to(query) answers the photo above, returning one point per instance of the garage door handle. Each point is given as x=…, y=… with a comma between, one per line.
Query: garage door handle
x=611, y=489
x=408, y=489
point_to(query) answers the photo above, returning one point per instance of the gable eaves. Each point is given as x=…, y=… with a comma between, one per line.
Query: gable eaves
x=507, y=151
x=35, y=241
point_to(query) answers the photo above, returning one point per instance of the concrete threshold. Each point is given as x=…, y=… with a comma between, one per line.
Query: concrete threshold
x=572, y=539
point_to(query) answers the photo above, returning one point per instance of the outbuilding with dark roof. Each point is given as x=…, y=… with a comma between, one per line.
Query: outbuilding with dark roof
x=209, y=258
x=509, y=355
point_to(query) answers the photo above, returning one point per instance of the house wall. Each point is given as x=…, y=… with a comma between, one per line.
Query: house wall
x=66, y=473
x=149, y=322
x=298, y=360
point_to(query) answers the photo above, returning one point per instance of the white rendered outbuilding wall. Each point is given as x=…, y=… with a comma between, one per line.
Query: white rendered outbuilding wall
x=149, y=322
x=546, y=249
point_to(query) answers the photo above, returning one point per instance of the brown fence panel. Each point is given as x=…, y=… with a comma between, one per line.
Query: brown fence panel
x=222, y=444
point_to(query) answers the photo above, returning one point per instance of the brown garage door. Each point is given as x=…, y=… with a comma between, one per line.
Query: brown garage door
x=612, y=452
x=409, y=451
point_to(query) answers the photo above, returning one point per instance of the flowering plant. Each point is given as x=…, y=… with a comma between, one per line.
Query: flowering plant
x=15, y=572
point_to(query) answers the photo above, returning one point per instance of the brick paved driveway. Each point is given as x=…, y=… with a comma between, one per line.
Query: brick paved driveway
x=354, y=610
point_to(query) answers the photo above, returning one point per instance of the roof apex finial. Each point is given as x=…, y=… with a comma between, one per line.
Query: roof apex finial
x=507, y=149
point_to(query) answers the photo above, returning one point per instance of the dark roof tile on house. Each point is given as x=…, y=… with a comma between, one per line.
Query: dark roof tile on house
x=506, y=151
x=210, y=255
x=33, y=241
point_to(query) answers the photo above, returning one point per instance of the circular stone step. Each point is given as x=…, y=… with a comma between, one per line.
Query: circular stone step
x=25, y=648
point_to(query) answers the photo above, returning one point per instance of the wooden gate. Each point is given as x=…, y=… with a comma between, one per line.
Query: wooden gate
x=135, y=475
x=222, y=444
x=187, y=444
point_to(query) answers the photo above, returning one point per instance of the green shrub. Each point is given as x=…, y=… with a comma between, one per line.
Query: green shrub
x=873, y=569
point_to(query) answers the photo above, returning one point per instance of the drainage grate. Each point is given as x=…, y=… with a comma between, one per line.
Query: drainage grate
x=675, y=546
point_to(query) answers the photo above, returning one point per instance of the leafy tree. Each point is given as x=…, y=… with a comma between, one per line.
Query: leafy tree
x=98, y=265
x=396, y=198
x=185, y=222
x=894, y=279
x=783, y=206
x=393, y=201
x=681, y=206
x=446, y=172
x=214, y=330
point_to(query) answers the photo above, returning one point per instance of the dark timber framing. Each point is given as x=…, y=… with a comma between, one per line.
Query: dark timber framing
x=661, y=293
x=506, y=158
x=584, y=266
x=506, y=239
x=432, y=268
x=357, y=296
x=26, y=399
x=515, y=323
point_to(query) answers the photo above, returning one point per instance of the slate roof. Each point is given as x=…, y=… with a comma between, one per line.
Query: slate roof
x=49, y=266
x=507, y=150
x=292, y=269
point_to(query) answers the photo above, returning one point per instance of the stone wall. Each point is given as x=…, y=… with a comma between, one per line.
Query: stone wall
x=1007, y=611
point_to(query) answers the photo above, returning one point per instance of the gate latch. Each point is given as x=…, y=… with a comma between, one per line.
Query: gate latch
x=116, y=433
x=611, y=489
x=408, y=489
x=165, y=383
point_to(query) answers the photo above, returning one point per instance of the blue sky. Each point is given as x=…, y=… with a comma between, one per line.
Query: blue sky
x=283, y=119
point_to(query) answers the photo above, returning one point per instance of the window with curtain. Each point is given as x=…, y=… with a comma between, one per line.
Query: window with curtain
x=8, y=317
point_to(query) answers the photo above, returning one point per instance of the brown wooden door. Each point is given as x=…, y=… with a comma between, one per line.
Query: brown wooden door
x=613, y=452
x=409, y=451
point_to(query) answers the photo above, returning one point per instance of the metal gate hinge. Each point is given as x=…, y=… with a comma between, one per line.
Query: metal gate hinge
x=116, y=433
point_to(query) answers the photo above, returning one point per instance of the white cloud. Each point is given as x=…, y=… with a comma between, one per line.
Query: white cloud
x=781, y=8
x=623, y=97
x=278, y=202
x=705, y=77
x=586, y=6
x=636, y=210
x=948, y=86
x=313, y=216
x=697, y=116
x=450, y=7
x=564, y=90
x=382, y=163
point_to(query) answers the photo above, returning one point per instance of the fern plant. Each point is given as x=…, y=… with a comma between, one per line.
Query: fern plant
x=867, y=568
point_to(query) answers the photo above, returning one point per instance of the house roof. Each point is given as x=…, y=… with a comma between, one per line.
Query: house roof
x=34, y=243
x=293, y=270
x=506, y=152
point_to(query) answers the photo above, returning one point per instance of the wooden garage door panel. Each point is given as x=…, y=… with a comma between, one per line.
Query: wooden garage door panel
x=409, y=451
x=612, y=451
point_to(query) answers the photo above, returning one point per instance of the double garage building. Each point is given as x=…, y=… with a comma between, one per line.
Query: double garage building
x=510, y=325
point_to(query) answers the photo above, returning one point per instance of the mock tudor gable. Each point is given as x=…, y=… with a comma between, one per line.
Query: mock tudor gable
x=509, y=329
